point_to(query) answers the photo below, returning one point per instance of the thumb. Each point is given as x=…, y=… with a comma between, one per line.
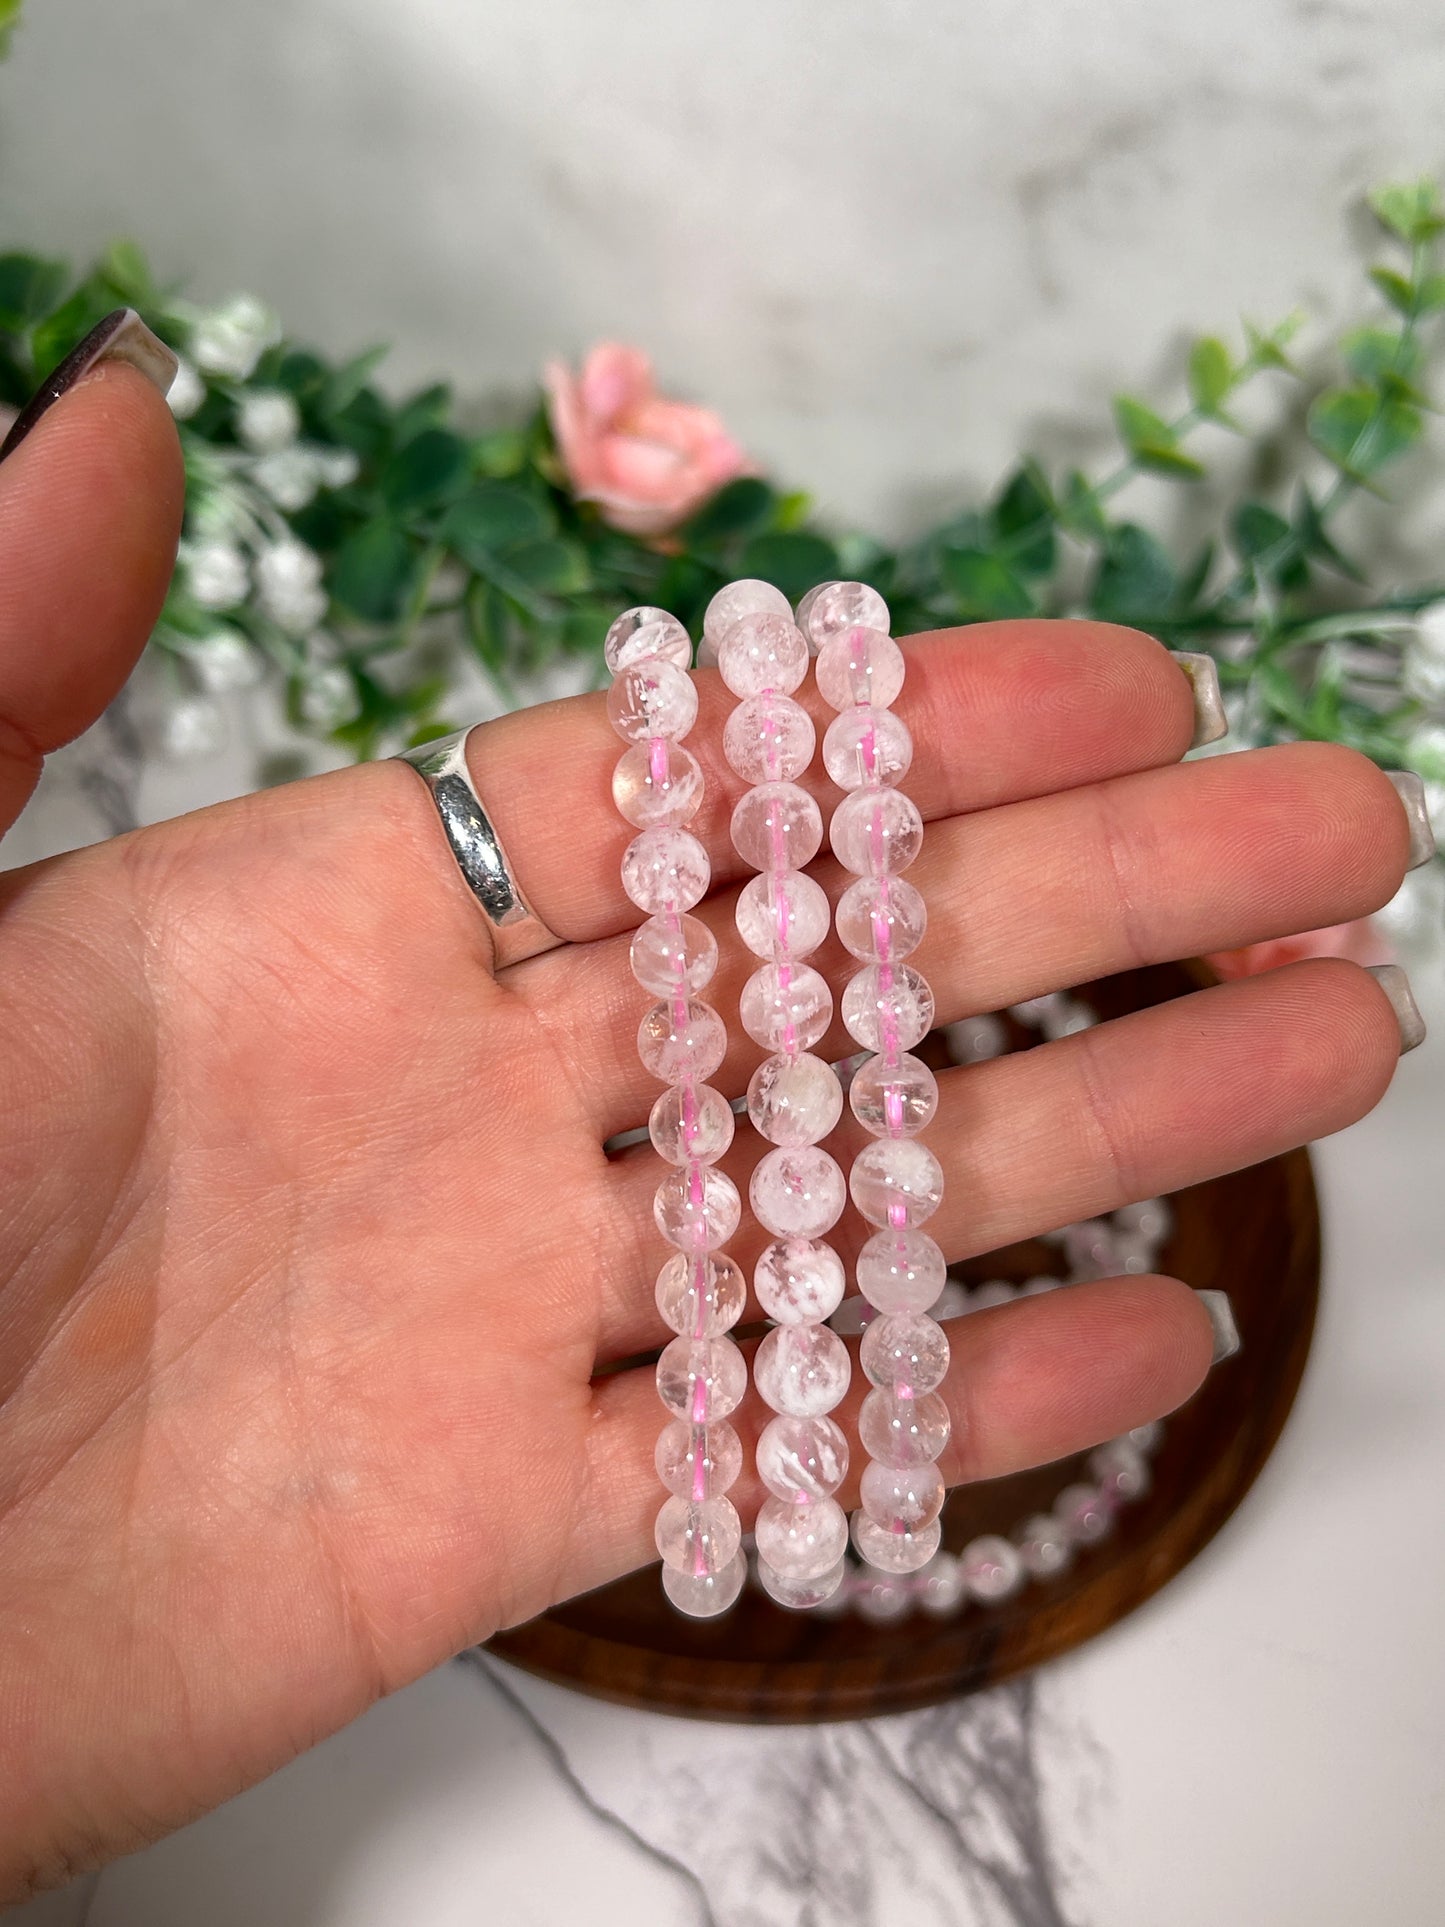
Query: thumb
x=92, y=491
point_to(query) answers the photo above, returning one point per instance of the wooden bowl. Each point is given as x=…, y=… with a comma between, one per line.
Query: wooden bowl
x=1254, y=1234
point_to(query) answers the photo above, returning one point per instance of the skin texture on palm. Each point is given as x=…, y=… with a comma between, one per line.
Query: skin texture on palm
x=314, y=1273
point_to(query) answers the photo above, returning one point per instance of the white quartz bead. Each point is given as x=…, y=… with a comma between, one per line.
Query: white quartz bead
x=760, y=653
x=704, y=1596
x=1084, y=1513
x=1044, y=1546
x=888, y=1007
x=940, y=1587
x=896, y=1182
x=678, y=1040
x=769, y=739
x=876, y=833
x=1121, y=1470
x=700, y=1296
x=799, y=1281
x=653, y=698
x=894, y=1100
x=786, y=1007
x=800, y=1540
x=746, y=597
x=865, y=746
x=803, y=1370
x=657, y=784
x=646, y=634
x=901, y=1431
x=892, y=1551
x=905, y=1498
x=881, y=919
x=777, y=826
x=701, y=1380
x=858, y=665
x=794, y=1101
x=697, y=1209
x=698, y=1538
x=665, y=869
x=698, y=1462
x=784, y=913
x=882, y=1597
x=798, y=1192
x=906, y=1353
x=841, y=605
x=801, y=1594
x=674, y=956
x=802, y=1458
x=993, y=1568
x=691, y=1123
x=901, y=1271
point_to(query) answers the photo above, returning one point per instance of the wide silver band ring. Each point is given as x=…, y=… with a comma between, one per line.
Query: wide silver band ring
x=517, y=933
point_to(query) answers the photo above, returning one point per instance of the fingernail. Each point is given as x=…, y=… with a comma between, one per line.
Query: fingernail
x=122, y=336
x=1410, y=789
x=1210, y=721
x=1396, y=986
x=1221, y=1317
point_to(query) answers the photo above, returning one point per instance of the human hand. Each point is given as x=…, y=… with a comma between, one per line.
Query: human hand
x=312, y=1263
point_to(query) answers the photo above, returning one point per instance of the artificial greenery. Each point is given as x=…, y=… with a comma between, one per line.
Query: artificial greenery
x=351, y=541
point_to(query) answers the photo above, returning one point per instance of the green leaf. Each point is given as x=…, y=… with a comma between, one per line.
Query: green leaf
x=500, y=454
x=373, y=571
x=1430, y=293
x=1151, y=441
x=983, y=585
x=428, y=408
x=364, y=425
x=1373, y=353
x=9, y=20
x=490, y=517
x=1267, y=345
x=1135, y=580
x=1397, y=289
x=1315, y=540
x=1360, y=431
x=1080, y=509
x=740, y=509
x=487, y=624
x=434, y=467
x=551, y=566
x=791, y=562
x=29, y=288
x=1022, y=520
x=339, y=387
x=1409, y=210
x=1211, y=374
x=126, y=268
x=1257, y=529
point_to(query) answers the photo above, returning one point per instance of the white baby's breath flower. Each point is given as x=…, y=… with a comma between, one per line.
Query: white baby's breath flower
x=187, y=391
x=192, y=729
x=1423, y=676
x=288, y=476
x=288, y=580
x=337, y=466
x=224, y=661
x=1425, y=751
x=329, y=697
x=215, y=573
x=1429, y=636
x=268, y=419
x=231, y=339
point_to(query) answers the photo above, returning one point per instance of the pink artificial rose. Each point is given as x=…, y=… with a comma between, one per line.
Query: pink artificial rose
x=647, y=462
x=1359, y=941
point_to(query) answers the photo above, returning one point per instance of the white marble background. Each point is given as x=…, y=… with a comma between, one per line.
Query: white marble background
x=893, y=241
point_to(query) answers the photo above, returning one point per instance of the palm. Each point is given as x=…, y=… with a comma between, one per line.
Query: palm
x=319, y=1280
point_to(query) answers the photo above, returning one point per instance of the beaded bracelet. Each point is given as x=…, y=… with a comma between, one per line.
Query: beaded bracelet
x=701, y=1376
x=896, y=1183
x=794, y=1100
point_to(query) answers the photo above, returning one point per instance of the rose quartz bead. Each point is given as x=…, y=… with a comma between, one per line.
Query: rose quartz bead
x=867, y=745
x=890, y=1551
x=897, y=1182
x=760, y=653
x=777, y=826
x=799, y=1281
x=786, y=1008
x=992, y=1568
x=902, y=1431
x=702, y=1295
x=677, y=1041
x=783, y=914
x=906, y=1353
x=698, y=1462
x=894, y=1100
x=701, y=1379
x=643, y=634
x=697, y=1209
x=876, y=832
x=802, y=1370
x=841, y=605
x=798, y=1193
x=1044, y=1546
x=888, y=1007
x=802, y=1458
x=902, y=1498
x=799, y=1541
x=941, y=1590
x=674, y=956
x=665, y=869
x=901, y=1271
x=859, y=665
x=801, y=1594
x=769, y=739
x=794, y=1101
x=1084, y=1514
x=1121, y=1470
x=698, y=1538
x=657, y=784
x=704, y=1596
x=691, y=1123
x=650, y=699
x=881, y=919
x=746, y=597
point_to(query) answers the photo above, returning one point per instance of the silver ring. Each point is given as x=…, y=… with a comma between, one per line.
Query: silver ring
x=517, y=932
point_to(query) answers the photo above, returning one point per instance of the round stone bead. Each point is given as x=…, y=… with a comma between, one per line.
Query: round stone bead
x=901, y=1271
x=1152, y=1219
x=701, y=1379
x=906, y=1353
x=802, y=1458
x=798, y=1193
x=802, y=1370
x=882, y=1597
x=799, y=1281
x=801, y=1594
x=941, y=1590
x=653, y=698
x=674, y=956
x=840, y=605
x=782, y=914
x=769, y=739
x=696, y=1209
x=992, y=1568
x=902, y=1499
x=903, y=1431
x=698, y=1462
x=691, y=1123
x=888, y=1007
x=700, y=1297
x=891, y=1551
x=777, y=826
x=1122, y=1471
x=865, y=746
x=1084, y=1513
x=876, y=832
x=1044, y=1546
x=859, y=665
x=897, y=1182
x=747, y=597
x=761, y=653
x=894, y=1100
x=698, y=1538
x=665, y=869
x=681, y=1040
x=800, y=1541
x=794, y=1101
x=644, y=634
x=657, y=784
x=705, y=1595
x=1148, y=1437
x=786, y=1007
x=881, y=919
